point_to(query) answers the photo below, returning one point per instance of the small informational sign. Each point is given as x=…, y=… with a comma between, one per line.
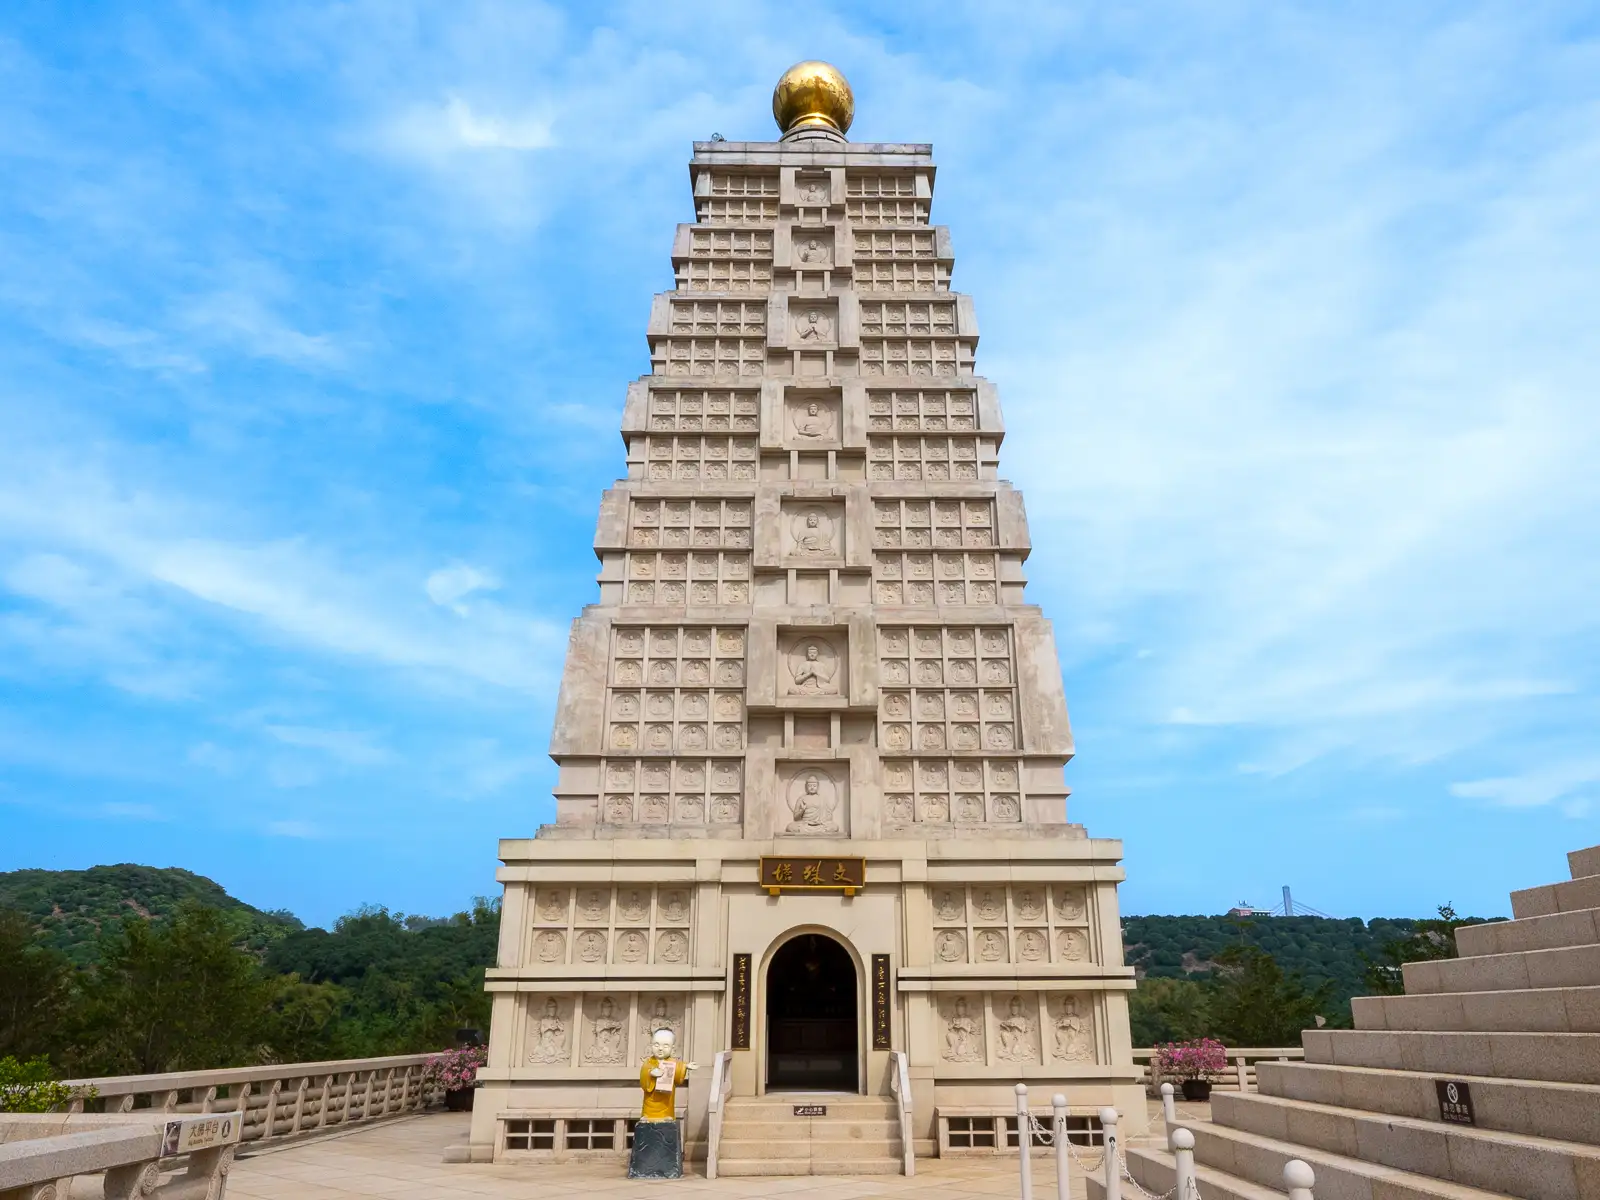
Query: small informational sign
x=785, y=874
x=810, y=1110
x=741, y=1002
x=666, y=1074
x=1455, y=1102
x=185, y=1135
x=880, y=1002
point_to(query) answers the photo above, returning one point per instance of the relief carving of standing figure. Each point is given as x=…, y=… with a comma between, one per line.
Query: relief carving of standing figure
x=550, y=1036
x=962, y=1041
x=1016, y=1033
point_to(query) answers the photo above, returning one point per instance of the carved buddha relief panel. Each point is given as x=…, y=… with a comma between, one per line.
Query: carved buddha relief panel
x=813, y=800
x=999, y=923
x=598, y=924
x=813, y=663
x=812, y=531
x=811, y=420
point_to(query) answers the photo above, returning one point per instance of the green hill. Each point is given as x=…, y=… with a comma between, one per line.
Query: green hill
x=1318, y=948
x=70, y=910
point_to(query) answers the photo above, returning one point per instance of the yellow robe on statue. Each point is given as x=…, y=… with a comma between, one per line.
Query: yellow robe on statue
x=659, y=1106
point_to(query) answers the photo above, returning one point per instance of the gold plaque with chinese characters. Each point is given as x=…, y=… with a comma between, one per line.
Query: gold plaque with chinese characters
x=796, y=874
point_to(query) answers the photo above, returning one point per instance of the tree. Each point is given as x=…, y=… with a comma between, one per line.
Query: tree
x=1428, y=941
x=174, y=996
x=35, y=990
x=1256, y=1003
x=1168, y=1010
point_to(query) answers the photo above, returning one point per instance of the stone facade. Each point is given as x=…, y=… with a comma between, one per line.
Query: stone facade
x=811, y=640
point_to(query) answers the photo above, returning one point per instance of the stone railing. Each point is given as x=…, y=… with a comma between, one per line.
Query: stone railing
x=900, y=1085
x=275, y=1102
x=1240, y=1075
x=721, y=1086
x=151, y=1154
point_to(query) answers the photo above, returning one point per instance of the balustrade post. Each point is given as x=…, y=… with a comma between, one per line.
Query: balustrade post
x=366, y=1099
x=1024, y=1141
x=1299, y=1179
x=1182, y=1142
x=1058, y=1103
x=124, y=1104
x=327, y=1099
x=1113, y=1164
x=271, y=1117
x=208, y=1102
x=299, y=1104
x=131, y=1182
x=388, y=1089
x=169, y=1101
x=1169, y=1111
x=1244, y=1074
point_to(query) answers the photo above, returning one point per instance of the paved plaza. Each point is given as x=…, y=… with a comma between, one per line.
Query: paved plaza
x=402, y=1159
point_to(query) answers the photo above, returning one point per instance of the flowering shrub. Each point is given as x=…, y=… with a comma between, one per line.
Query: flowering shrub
x=1191, y=1060
x=453, y=1070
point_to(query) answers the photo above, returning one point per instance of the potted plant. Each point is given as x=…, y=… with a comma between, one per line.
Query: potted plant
x=1190, y=1063
x=456, y=1072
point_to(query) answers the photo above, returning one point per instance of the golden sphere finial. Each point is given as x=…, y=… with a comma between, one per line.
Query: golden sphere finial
x=813, y=95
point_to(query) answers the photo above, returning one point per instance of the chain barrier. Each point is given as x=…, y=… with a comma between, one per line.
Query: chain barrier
x=1040, y=1134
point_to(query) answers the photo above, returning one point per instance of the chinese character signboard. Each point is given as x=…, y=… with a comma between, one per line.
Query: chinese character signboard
x=1455, y=1102
x=741, y=1002
x=186, y=1135
x=880, y=1002
x=845, y=875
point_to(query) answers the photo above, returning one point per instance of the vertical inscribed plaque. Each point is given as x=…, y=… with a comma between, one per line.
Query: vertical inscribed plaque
x=880, y=1002
x=741, y=1002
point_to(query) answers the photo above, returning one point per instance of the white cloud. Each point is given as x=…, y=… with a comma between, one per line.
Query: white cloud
x=1538, y=788
x=351, y=747
x=449, y=586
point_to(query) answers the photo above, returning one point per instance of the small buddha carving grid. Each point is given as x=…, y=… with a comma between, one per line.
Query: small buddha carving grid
x=944, y=791
x=961, y=572
x=676, y=552
x=886, y=199
x=898, y=261
x=994, y=1028
x=709, y=410
x=684, y=792
x=727, y=260
x=713, y=459
x=1028, y=923
x=913, y=458
x=712, y=337
x=676, y=689
x=912, y=337
x=922, y=410
x=946, y=688
x=633, y=923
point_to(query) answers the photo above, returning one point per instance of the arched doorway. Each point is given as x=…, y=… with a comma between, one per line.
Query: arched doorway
x=811, y=1017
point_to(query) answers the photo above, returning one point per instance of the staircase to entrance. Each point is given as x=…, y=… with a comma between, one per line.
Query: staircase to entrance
x=1481, y=1082
x=857, y=1135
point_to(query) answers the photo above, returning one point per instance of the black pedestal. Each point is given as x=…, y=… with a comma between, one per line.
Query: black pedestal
x=657, y=1151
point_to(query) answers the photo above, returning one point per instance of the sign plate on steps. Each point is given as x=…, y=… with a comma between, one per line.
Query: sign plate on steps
x=810, y=1110
x=1455, y=1102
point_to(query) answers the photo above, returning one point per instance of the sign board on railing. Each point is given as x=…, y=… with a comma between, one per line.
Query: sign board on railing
x=185, y=1135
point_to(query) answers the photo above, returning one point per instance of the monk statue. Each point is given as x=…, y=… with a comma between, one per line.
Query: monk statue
x=657, y=1146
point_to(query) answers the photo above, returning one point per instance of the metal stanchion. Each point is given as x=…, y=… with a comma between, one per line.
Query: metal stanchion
x=1063, y=1175
x=1169, y=1111
x=1108, y=1124
x=1024, y=1138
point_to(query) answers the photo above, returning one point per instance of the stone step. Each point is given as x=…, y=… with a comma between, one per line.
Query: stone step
x=806, y=1166
x=1564, y=1111
x=800, y=1129
x=1157, y=1173
x=1518, y=1165
x=1554, y=1057
x=840, y=1148
x=1260, y=1160
x=1563, y=966
x=1582, y=863
x=1541, y=1010
x=1570, y=895
x=1581, y=928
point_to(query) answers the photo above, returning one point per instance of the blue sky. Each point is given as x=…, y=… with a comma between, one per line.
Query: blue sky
x=316, y=320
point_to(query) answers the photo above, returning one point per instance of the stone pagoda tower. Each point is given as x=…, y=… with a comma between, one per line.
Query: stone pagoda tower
x=810, y=813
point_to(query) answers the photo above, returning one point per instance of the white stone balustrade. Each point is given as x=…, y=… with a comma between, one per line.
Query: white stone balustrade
x=150, y=1154
x=281, y=1101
